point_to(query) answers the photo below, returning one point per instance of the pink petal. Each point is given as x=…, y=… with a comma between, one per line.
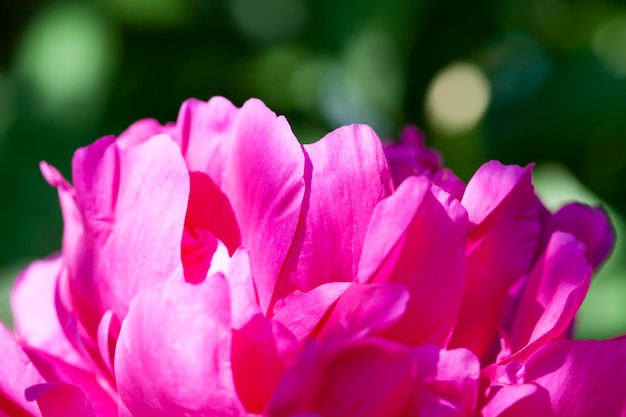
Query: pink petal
x=204, y=133
x=97, y=389
x=410, y=156
x=108, y=333
x=265, y=186
x=34, y=312
x=140, y=131
x=554, y=292
x=584, y=378
x=519, y=401
x=365, y=309
x=62, y=400
x=347, y=176
x=244, y=304
x=16, y=374
x=416, y=240
x=303, y=313
x=369, y=377
x=446, y=382
x=122, y=194
x=589, y=225
x=261, y=351
x=502, y=245
x=209, y=209
x=174, y=350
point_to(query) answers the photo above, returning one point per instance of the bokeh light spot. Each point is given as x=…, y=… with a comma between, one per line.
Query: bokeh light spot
x=67, y=56
x=609, y=45
x=457, y=98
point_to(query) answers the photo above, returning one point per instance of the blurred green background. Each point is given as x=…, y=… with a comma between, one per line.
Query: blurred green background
x=514, y=80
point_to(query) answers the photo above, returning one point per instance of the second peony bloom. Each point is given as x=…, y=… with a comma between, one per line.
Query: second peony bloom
x=216, y=267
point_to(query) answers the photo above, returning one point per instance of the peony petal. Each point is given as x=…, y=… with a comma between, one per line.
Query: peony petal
x=16, y=374
x=122, y=194
x=502, y=246
x=554, y=292
x=364, y=309
x=34, y=312
x=108, y=333
x=416, y=240
x=173, y=353
x=265, y=186
x=519, y=401
x=369, y=378
x=302, y=313
x=584, y=378
x=61, y=400
x=590, y=225
x=349, y=175
x=261, y=351
x=410, y=156
x=96, y=387
x=204, y=133
x=209, y=209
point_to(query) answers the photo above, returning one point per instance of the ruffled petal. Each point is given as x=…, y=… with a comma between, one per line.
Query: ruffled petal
x=591, y=226
x=415, y=240
x=501, y=249
x=348, y=176
x=122, y=194
x=264, y=182
x=174, y=351
x=554, y=292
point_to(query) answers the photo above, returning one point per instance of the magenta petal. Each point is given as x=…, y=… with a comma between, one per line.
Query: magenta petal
x=519, y=401
x=416, y=240
x=554, y=292
x=265, y=185
x=589, y=225
x=261, y=351
x=97, y=388
x=349, y=176
x=34, y=312
x=122, y=194
x=304, y=312
x=204, y=133
x=364, y=309
x=501, y=248
x=16, y=374
x=174, y=351
x=369, y=378
x=584, y=378
x=62, y=400
x=446, y=382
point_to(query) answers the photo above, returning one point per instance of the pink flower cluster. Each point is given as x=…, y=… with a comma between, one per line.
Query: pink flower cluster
x=216, y=267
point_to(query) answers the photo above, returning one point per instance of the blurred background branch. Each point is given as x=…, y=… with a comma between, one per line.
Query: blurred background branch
x=514, y=80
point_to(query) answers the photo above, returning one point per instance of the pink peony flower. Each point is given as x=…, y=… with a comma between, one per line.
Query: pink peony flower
x=216, y=267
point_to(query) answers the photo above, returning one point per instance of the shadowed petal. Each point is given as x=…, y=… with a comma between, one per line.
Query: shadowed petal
x=589, y=225
x=349, y=176
x=416, y=240
x=265, y=185
x=501, y=248
x=555, y=290
x=61, y=400
x=519, y=401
